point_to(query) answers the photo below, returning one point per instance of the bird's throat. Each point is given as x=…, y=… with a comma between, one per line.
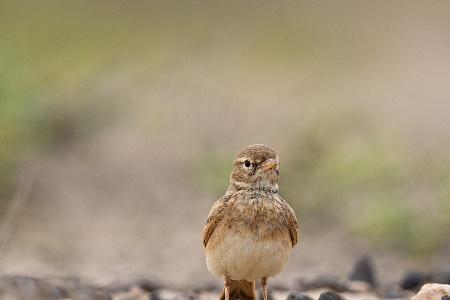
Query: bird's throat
x=261, y=185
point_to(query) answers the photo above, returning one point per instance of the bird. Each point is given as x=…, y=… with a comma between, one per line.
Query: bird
x=250, y=232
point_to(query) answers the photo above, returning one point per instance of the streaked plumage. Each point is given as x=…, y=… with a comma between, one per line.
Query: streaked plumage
x=250, y=232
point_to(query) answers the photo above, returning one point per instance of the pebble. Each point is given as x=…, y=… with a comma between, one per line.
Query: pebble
x=412, y=281
x=364, y=271
x=330, y=296
x=433, y=291
x=295, y=295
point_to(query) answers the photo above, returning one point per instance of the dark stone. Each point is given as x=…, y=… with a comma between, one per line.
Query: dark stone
x=155, y=295
x=446, y=297
x=296, y=295
x=330, y=296
x=413, y=281
x=147, y=285
x=364, y=271
x=59, y=292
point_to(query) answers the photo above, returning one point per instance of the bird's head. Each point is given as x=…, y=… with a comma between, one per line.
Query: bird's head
x=256, y=167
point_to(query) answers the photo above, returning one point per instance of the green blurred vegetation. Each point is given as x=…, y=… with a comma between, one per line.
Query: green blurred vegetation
x=32, y=120
x=342, y=171
x=52, y=55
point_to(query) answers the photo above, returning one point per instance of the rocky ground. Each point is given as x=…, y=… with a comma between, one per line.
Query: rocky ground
x=361, y=283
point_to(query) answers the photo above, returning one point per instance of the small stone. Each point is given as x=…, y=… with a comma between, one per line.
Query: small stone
x=432, y=291
x=147, y=285
x=296, y=295
x=364, y=271
x=412, y=281
x=330, y=296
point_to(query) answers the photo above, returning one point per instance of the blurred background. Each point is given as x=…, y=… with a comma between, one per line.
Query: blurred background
x=119, y=123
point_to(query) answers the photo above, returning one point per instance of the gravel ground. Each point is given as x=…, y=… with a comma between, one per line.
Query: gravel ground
x=360, y=284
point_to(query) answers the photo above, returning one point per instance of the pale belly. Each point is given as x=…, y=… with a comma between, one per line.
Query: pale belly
x=245, y=255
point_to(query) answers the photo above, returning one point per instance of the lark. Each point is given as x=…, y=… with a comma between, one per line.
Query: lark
x=250, y=232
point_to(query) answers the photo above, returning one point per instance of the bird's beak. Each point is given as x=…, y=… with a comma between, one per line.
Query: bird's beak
x=270, y=164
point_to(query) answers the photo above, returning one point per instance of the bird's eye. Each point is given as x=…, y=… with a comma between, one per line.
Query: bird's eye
x=247, y=163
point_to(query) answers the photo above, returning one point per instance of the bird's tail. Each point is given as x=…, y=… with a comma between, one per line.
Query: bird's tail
x=241, y=289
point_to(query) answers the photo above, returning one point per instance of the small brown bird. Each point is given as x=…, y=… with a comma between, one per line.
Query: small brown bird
x=251, y=230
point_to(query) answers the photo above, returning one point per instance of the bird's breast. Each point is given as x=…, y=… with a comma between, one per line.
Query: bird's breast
x=251, y=242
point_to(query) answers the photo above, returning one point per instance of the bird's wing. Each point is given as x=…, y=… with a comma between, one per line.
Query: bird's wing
x=291, y=222
x=215, y=216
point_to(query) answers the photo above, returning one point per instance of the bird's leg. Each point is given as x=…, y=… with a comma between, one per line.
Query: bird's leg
x=227, y=284
x=264, y=287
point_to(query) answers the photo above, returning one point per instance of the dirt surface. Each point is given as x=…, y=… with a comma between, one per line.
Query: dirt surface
x=19, y=287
